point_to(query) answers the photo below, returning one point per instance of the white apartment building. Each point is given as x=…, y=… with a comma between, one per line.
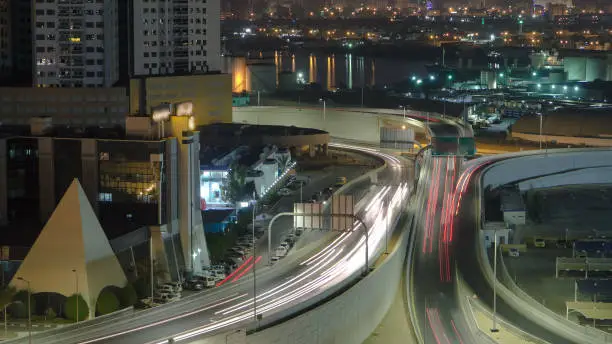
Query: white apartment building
x=75, y=43
x=5, y=37
x=176, y=36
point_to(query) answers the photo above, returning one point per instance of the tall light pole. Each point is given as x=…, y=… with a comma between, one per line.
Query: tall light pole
x=495, y=329
x=403, y=107
x=541, y=125
x=29, y=309
x=76, y=277
x=254, y=263
x=324, y=110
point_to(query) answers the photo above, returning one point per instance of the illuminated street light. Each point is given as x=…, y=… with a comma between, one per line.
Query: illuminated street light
x=450, y=77
x=534, y=74
x=420, y=81
x=432, y=77
x=565, y=88
x=553, y=87
x=539, y=85
x=576, y=88
x=413, y=78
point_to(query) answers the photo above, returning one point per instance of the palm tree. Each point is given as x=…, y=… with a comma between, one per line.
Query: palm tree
x=233, y=189
x=283, y=162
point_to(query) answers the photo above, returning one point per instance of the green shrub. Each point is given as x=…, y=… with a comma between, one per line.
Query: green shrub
x=107, y=302
x=18, y=310
x=70, y=307
x=51, y=314
x=22, y=296
x=128, y=296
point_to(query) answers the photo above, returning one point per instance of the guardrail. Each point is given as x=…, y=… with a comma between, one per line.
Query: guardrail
x=523, y=303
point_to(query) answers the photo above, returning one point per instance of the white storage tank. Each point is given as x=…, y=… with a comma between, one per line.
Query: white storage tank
x=595, y=69
x=262, y=76
x=557, y=76
x=575, y=67
x=488, y=78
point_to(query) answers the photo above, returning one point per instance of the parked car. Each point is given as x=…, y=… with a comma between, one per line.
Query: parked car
x=328, y=192
x=237, y=257
x=165, y=288
x=207, y=281
x=238, y=250
x=539, y=242
x=340, y=181
x=298, y=231
x=513, y=252
x=193, y=284
x=275, y=259
x=166, y=297
x=285, y=192
x=263, y=217
x=176, y=286
x=281, y=251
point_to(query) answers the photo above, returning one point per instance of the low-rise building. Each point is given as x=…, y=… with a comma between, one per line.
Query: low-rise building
x=104, y=107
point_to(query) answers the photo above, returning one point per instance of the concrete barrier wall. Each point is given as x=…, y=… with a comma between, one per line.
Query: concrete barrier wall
x=570, y=140
x=339, y=123
x=350, y=317
x=538, y=164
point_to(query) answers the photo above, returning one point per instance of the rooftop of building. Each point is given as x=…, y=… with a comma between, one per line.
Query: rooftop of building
x=511, y=200
x=65, y=131
x=212, y=157
x=246, y=130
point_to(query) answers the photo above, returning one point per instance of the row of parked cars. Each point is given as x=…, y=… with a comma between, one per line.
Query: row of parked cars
x=287, y=244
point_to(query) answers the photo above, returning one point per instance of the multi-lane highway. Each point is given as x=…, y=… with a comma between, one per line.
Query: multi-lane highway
x=467, y=217
x=431, y=269
x=292, y=284
x=446, y=223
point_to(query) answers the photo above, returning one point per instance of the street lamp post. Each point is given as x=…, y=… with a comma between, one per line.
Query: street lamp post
x=254, y=263
x=541, y=125
x=404, y=110
x=324, y=109
x=495, y=329
x=76, y=277
x=29, y=309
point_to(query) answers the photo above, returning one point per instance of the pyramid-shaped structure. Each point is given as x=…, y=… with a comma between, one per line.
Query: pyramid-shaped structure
x=71, y=240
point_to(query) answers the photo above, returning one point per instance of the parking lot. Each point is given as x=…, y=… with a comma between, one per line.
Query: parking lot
x=534, y=272
x=576, y=211
x=555, y=215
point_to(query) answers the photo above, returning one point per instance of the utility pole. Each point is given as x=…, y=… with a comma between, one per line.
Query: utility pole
x=495, y=329
x=254, y=263
x=76, y=276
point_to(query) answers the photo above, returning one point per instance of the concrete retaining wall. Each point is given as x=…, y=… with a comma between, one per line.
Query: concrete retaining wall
x=570, y=140
x=538, y=164
x=338, y=123
x=350, y=317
